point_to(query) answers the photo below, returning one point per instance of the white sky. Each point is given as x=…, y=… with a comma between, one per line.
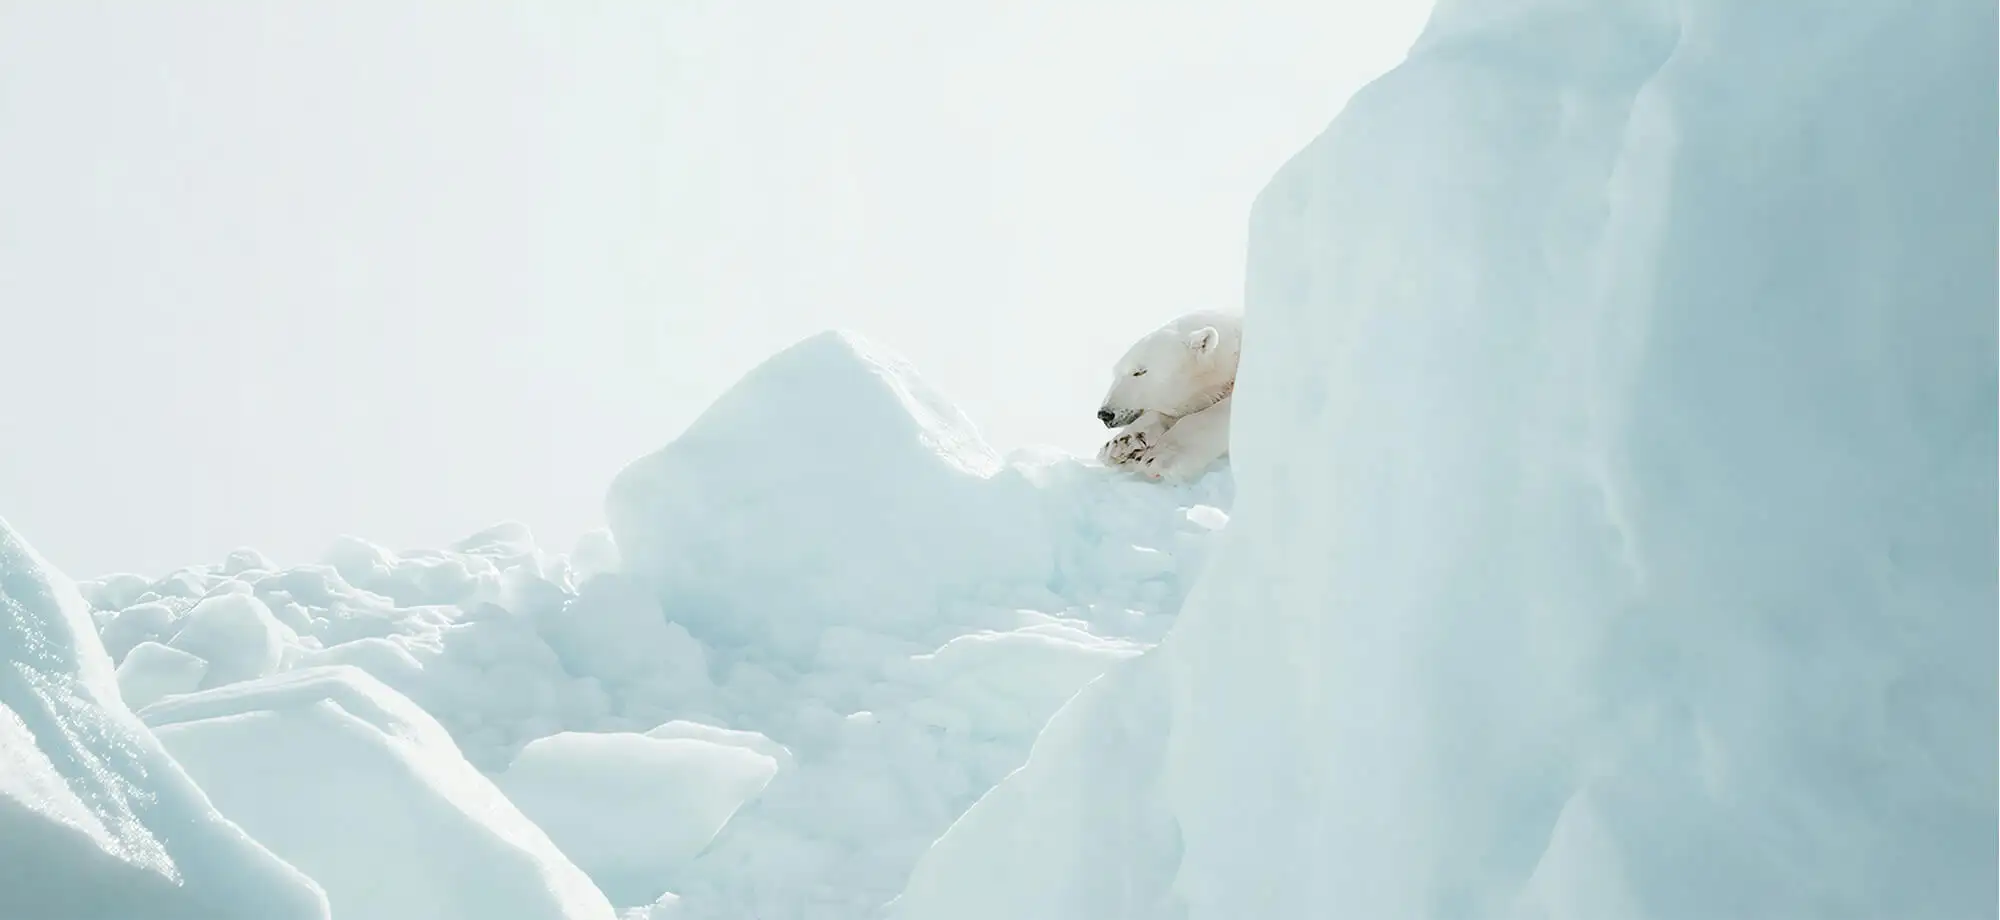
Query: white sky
x=270, y=273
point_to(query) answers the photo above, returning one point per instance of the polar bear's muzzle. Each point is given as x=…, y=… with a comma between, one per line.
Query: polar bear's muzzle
x=1116, y=418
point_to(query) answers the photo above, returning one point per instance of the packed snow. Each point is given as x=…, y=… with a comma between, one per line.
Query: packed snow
x=1617, y=522
x=764, y=692
x=1617, y=438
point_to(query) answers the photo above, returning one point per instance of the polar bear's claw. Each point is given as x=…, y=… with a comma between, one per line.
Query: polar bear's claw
x=1125, y=447
x=1152, y=462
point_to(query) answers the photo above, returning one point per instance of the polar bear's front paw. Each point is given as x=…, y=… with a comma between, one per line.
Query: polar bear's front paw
x=1122, y=449
x=1168, y=462
x=1147, y=433
x=1160, y=461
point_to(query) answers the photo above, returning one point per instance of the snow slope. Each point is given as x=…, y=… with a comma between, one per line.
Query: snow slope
x=787, y=675
x=96, y=820
x=1617, y=522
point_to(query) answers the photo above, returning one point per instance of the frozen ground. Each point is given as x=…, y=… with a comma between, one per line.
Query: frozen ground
x=830, y=619
x=1617, y=444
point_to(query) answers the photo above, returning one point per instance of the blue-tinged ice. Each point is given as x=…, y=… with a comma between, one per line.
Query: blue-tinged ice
x=96, y=820
x=1615, y=534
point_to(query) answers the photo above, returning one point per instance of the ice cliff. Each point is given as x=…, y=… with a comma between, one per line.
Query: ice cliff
x=1616, y=525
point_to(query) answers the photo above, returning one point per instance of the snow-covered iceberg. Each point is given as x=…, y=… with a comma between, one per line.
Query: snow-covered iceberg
x=1616, y=527
x=96, y=820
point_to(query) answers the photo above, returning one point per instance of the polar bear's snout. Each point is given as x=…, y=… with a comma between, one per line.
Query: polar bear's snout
x=1116, y=418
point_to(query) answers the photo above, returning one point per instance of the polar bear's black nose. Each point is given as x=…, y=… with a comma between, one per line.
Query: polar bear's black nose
x=1105, y=416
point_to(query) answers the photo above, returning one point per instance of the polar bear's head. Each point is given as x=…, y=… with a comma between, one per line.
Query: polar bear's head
x=1175, y=369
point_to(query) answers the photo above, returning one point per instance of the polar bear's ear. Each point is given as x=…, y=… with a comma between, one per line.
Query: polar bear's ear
x=1203, y=341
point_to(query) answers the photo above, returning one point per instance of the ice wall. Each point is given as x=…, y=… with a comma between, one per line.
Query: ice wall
x=1615, y=533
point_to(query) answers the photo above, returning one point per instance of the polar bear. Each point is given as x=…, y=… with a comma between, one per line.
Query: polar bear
x=1170, y=393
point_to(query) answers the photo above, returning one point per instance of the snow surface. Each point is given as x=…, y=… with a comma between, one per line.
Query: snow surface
x=96, y=820
x=875, y=632
x=624, y=804
x=368, y=795
x=1617, y=522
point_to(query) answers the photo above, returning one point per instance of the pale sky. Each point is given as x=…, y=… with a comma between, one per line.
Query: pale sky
x=272, y=273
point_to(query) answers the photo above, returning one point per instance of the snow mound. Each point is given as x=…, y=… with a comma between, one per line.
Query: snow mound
x=1617, y=522
x=630, y=808
x=887, y=710
x=114, y=592
x=96, y=820
x=128, y=627
x=151, y=671
x=237, y=635
x=366, y=793
x=831, y=445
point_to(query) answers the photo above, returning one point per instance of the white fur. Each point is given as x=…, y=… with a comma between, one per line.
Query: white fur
x=1171, y=393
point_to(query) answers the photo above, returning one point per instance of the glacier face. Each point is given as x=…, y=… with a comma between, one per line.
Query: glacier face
x=1616, y=513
